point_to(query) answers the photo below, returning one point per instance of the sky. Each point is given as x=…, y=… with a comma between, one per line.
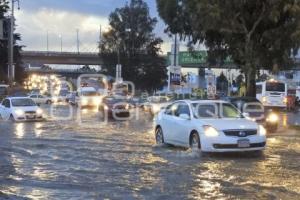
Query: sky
x=61, y=18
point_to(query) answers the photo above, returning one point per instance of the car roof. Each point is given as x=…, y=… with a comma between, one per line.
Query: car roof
x=12, y=98
x=203, y=101
x=245, y=99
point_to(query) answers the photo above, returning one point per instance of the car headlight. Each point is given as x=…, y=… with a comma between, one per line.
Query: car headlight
x=285, y=100
x=262, y=130
x=264, y=99
x=39, y=111
x=97, y=101
x=84, y=102
x=127, y=106
x=155, y=108
x=106, y=107
x=19, y=112
x=273, y=118
x=210, y=131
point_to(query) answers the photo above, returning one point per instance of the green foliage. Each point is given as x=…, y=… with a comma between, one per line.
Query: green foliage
x=131, y=33
x=254, y=33
x=19, y=70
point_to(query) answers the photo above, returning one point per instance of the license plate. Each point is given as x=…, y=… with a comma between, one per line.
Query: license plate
x=30, y=116
x=243, y=143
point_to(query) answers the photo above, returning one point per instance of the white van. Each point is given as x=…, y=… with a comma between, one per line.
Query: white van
x=88, y=97
x=272, y=93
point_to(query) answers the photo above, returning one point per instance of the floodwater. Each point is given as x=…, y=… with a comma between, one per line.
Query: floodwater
x=59, y=159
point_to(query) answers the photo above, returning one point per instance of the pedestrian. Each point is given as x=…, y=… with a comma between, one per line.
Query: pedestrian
x=242, y=90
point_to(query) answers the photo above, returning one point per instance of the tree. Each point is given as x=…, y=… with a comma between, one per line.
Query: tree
x=131, y=36
x=19, y=70
x=254, y=33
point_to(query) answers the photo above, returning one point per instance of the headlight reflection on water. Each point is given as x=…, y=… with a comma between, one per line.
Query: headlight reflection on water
x=37, y=129
x=19, y=130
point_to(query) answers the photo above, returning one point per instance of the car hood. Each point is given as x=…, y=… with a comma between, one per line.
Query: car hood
x=165, y=104
x=26, y=108
x=227, y=124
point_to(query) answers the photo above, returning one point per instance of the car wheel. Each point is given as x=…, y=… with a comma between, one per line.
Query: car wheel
x=159, y=136
x=195, y=141
x=48, y=102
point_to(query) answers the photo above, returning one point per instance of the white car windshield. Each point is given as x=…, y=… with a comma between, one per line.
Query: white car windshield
x=22, y=102
x=215, y=110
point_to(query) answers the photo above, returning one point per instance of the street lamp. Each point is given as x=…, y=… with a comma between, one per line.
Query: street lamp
x=11, y=67
x=61, y=43
x=118, y=46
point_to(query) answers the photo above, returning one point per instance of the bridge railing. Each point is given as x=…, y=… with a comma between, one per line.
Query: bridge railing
x=56, y=53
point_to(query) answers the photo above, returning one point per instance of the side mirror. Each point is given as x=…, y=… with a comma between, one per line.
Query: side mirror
x=184, y=116
x=246, y=114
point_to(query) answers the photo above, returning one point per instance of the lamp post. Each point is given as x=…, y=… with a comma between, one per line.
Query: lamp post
x=47, y=41
x=11, y=67
x=119, y=65
x=61, y=43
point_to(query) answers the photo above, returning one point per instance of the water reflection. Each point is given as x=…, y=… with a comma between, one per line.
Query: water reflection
x=20, y=130
x=284, y=120
x=37, y=129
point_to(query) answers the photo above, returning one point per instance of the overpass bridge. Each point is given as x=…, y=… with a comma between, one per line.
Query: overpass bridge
x=32, y=58
x=40, y=58
x=186, y=59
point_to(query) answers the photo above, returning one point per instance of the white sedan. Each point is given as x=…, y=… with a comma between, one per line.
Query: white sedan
x=211, y=126
x=41, y=99
x=20, y=109
x=156, y=103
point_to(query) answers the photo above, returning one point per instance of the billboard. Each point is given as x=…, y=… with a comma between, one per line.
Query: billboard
x=175, y=75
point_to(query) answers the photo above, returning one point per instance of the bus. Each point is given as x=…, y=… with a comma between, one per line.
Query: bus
x=272, y=93
x=3, y=91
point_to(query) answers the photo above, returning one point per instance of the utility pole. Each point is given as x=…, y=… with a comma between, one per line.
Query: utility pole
x=100, y=36
x=175, y=51
x=47, y=41
x=60, y=36
x=77, y=32
x=11, y=66
x=174, y=61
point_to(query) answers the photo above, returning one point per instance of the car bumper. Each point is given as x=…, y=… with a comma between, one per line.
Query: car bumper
x=230, y=144
x=270, y=105
x=26, y=119
x=119, y=113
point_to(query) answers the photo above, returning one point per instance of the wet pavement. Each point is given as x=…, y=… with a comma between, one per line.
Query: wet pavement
x=59, y=159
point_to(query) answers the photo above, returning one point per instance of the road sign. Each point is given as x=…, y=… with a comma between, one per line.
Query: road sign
x=175, y=75
x=189, y=58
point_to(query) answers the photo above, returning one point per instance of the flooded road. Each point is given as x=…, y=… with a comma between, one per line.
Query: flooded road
x=90, y=160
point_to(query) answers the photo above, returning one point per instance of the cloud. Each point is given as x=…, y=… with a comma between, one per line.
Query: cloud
x=65, y=17
x=34, y=27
